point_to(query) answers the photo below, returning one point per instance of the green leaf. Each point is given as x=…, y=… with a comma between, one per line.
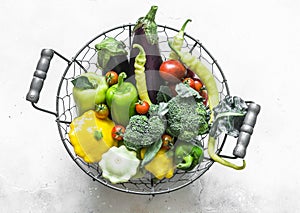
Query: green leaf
x=82, y=82
x=164, y=94
x=151, y=152
x=108, y=48
x=185, y=91
x=98, y=135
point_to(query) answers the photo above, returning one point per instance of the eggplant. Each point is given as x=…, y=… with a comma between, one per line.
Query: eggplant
x=145, y=34
x=112, y=55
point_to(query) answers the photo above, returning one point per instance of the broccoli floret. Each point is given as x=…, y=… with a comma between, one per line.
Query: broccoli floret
x=186, y=118
x=204, y=113
x=141, y=131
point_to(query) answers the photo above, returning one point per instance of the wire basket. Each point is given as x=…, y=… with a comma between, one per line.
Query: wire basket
x=86, y=60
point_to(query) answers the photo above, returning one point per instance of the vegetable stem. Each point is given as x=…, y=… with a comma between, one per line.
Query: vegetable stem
x=178, y=41
x=121, y=78
x=184, y=25
x=151, y=14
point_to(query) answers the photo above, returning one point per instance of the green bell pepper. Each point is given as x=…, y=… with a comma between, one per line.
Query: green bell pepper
x=89, y=89
x=121, y=99
x=187, y=155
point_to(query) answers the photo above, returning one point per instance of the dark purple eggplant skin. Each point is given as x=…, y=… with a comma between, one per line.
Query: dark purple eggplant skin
x=153, y=62
x=118, y=63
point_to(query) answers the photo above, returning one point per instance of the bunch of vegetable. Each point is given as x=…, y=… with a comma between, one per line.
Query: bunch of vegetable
x=143, y=113
x=187, y=116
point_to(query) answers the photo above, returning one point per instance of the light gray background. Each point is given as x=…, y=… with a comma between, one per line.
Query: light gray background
x=258, y=47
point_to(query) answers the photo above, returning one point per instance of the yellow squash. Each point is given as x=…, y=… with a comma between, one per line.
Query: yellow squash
x=161, y=165
x=91, y=137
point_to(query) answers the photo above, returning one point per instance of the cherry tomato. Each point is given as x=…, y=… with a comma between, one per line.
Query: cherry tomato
x=204, y=94
x=190, y=82
x=172, y=70
x=111, y=77
x=142, y=107
x=102, y=111
x=117, y=132
x=167, y=142
x=198, y=85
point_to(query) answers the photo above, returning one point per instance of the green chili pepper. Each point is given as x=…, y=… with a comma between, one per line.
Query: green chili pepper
x=140, y=77
x=188, y=156
x=89, y=89
x=208, y=80
x=178, y=41
x=121, y=99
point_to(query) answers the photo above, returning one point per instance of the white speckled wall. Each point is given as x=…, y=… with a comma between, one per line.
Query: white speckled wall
x=255, y=42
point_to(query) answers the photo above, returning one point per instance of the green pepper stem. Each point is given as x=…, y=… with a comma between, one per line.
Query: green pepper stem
x=186, y=163
x=121, y=77
x=184, y=25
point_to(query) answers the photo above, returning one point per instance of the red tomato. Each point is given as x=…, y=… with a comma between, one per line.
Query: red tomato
x=198, y=85
x=190, y=82
x=204, y=94
x=111, y=77
x=102, y=111
x=142, y=107
x=198, y=82
x=167, y=142
x=172, y=71
x=117, y=132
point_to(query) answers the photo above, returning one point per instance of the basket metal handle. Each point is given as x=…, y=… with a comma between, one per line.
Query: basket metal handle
x=39, y=77
x=246, y=130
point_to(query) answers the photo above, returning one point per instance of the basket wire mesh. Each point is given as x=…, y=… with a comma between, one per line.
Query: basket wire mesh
x=86, y=60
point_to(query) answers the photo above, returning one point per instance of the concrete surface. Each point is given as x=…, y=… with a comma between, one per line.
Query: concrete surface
x=258, y=47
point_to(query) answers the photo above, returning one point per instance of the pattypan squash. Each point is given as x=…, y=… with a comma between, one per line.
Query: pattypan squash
x=91, y=136
x=119, y=164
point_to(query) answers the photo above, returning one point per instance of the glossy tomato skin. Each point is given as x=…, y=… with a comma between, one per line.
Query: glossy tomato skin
x=198, y=85
x=102, y=111
x=172, y=71
x=117, y=132
x=167, y=142
x=204, y=94
x=189, y=81
x=111, y=77
x=142, y=107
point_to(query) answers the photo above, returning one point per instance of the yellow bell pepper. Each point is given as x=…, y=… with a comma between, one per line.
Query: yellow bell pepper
x=161, y=165
x=91, y=137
